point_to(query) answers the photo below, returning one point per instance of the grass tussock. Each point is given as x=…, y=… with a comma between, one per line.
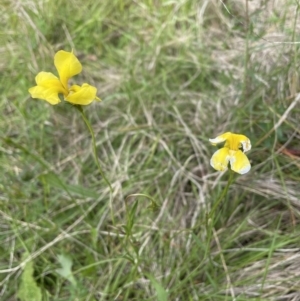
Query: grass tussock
x=171, y=74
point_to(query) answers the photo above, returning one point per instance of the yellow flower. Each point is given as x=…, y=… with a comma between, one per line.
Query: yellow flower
x=49, y=86
x=232, y=152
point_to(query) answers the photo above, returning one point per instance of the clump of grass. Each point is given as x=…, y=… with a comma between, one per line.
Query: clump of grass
x=171, y=75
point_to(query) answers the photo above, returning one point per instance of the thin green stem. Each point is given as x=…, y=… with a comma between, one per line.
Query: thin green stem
x=210, y=215
x=153, y=205
x=79, y=108
x=222, y=196
x=130, y=214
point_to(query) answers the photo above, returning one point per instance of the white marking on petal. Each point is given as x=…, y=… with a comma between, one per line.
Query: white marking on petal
x=231, y=157
x=245, y=169
x=246, y=145
x=220, y=138
x=217, y=140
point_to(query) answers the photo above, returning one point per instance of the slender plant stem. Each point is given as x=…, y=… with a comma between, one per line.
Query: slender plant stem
x=130, y=214
x=79, y=108
x=210, y=215
x=222, y=196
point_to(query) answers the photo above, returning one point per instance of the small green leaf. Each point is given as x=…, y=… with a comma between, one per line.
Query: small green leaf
x=66, y=268
x=162, y=294
x=131, y=218
x=28, y=290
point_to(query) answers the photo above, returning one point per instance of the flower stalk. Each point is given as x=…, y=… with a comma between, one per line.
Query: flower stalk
x=79, y=108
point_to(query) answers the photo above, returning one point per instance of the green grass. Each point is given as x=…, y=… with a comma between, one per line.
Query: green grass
x=171, y=74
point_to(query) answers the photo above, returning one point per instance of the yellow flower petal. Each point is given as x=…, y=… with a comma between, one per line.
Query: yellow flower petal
x=239, y=162
x=83, y=95
x=233, y=152
x=67, y=66
x=48, y=94
x=246, y=144
x=220, y=159
x=220, y=138
x=49, y=80
x=48, y=87
x=233, y=141
x=236, y=141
